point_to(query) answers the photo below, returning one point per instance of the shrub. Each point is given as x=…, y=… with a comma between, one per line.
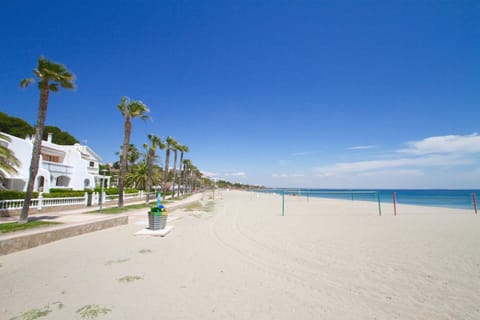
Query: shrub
x=114, y=191
x=11, y=195
x=59, y=190
x=64, y=194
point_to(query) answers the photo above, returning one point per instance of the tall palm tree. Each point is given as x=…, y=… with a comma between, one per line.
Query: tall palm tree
x=170, y=142
x=175, y=151
x=182, y=149
x=8, y=161
x=187, y=164
x=155, y=142
x=50, y=76
x=129, y=110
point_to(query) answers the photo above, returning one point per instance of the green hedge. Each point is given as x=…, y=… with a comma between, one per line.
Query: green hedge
x=64, y=194
x=11, y=195
x=59, y=193
x=114, y=191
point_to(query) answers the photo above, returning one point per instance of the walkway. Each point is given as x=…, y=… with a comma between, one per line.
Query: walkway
x=75, y=222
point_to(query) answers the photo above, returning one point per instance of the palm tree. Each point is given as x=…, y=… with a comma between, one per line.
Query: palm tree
x=175, y=149
x=138, y=177
x=133, y=155
x=155, y=142
x=187, y=164
x=49, y=76
x=182, y=149
x=129, y=110
x=8, y=161
x=169, y=145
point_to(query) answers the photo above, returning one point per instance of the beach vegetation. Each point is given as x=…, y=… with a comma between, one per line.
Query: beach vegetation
x=37, y=313
x=129, y=278
x=128, y=109
x=33, y=314
x=50, y=76
x=92, y=311
x=199, y=206
x=122, y=260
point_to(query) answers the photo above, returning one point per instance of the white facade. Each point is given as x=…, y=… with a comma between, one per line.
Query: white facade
x=74, y=167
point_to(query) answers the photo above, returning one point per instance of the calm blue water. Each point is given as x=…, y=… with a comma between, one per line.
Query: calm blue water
x=436, y=198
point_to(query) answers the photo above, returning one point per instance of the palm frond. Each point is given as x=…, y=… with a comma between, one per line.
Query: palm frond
x=26, y=82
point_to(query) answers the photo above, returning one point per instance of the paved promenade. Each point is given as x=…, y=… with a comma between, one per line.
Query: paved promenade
x=75, y=222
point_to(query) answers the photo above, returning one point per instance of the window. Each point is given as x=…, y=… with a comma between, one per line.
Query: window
x=47, y=157
x=92, y=164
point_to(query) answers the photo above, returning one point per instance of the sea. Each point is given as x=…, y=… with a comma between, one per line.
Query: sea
x=461, y=199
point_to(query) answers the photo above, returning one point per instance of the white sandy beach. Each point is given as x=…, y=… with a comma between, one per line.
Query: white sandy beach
x=325, y=259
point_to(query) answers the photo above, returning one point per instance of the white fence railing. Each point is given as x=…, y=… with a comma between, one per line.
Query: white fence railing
x=41, y=202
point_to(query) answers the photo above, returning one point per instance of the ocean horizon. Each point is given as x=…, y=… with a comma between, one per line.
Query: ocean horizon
x=445, y=198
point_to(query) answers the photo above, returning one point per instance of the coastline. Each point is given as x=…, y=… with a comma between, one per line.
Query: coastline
x=244, y=260
x=439, y=198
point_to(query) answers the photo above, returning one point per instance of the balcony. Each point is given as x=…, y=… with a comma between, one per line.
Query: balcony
x=57, y=168
x=93, y=170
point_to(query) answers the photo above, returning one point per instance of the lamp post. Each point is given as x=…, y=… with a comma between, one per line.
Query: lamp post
x=102, y=181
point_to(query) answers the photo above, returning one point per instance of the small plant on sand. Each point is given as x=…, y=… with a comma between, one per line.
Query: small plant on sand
x=34, y=314
x=110, y=262
x=92, y=311
x=141, y=251
x=198, y=206
x=130, y=278
x=194, y=206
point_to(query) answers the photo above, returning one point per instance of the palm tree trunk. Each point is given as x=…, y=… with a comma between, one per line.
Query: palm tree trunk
x=37, y=147
x=181, y=186
x=165, y=173
x=174, y=171
x=123, y=162
x=149, y=175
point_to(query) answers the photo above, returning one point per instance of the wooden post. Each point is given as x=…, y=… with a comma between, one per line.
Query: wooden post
x=394, y=203
x=474, y=197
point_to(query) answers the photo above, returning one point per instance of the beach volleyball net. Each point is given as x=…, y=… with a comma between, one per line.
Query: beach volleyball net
x=326, y=202
x=362, y=202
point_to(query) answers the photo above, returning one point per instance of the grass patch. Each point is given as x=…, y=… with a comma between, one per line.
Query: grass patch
x=14, y=226
x=92, y=311
x=130, y=278
x=129, y=207
x=124, y=209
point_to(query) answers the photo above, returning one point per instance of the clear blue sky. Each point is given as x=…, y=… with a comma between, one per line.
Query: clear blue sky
x=332, y=94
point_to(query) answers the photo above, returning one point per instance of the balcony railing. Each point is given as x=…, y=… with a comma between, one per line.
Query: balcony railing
x=57, y=167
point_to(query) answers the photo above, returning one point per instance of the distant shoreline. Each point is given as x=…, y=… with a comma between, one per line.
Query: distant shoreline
x=441, y=198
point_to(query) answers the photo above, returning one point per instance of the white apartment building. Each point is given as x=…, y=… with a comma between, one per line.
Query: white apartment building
x=74, y=167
